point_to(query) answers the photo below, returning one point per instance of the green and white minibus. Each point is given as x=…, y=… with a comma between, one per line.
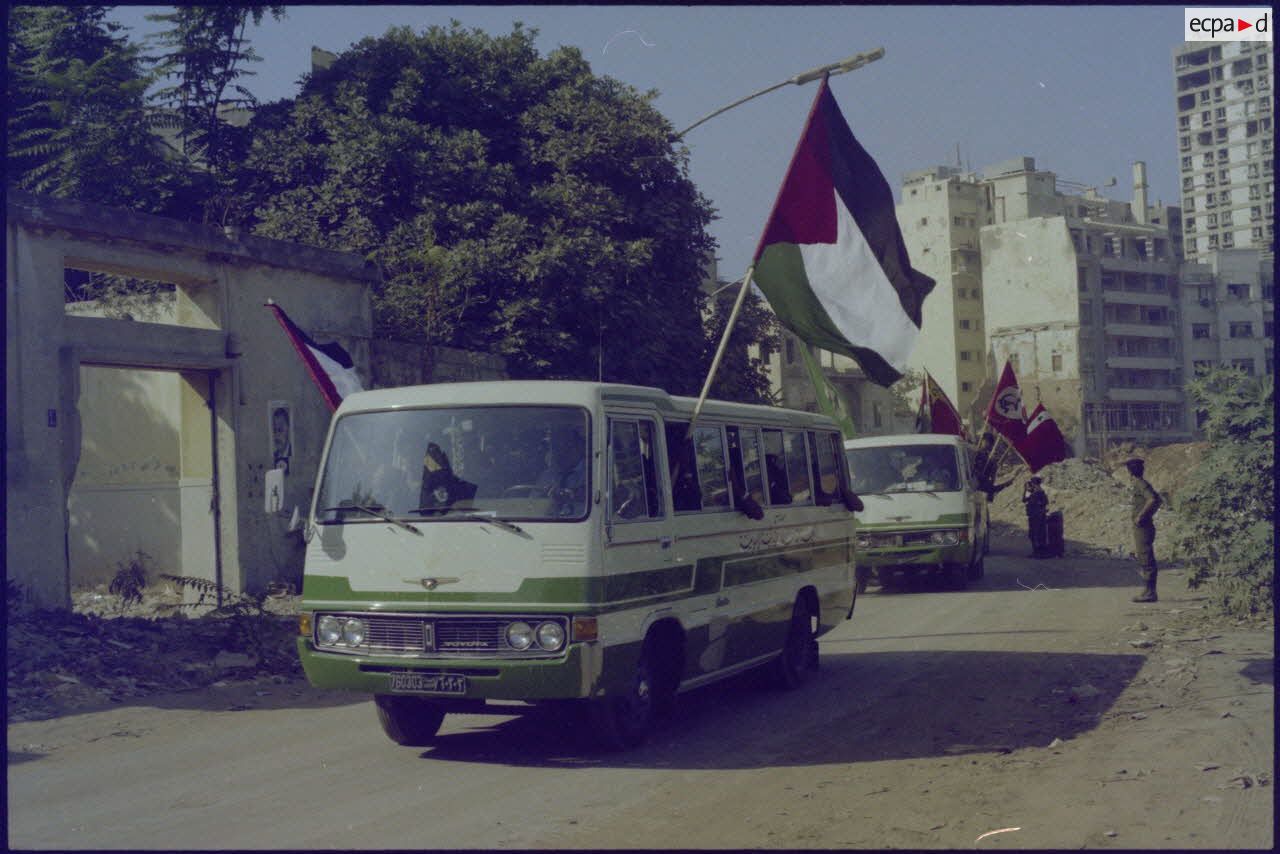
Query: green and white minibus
x=551, y=541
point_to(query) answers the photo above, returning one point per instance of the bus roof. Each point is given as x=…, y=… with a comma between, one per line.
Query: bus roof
x=571, y=393
x=904, y=439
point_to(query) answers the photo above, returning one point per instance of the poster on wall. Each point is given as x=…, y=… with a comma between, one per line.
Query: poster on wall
x=280, y=426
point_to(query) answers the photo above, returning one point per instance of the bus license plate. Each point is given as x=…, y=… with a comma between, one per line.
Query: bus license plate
x=425, y=683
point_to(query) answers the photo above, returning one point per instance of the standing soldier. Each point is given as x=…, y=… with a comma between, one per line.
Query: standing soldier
x=1145, y=504
x=1037, y=504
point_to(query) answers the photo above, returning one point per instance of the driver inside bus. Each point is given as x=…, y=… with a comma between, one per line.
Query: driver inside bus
x=565, y=478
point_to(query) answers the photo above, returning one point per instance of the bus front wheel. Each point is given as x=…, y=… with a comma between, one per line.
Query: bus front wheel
x=409, y=721
x=623, y=720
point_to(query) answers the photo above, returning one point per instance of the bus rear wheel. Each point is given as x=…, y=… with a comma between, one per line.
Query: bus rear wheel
x=799, y=651
x=409, y=721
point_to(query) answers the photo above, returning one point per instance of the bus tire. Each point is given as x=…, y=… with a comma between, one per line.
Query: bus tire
x=409, y=721
x=623, y=721
x=791, y=668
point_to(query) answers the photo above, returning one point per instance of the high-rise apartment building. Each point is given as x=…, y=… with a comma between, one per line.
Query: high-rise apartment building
x=1224, y=95
x=940, y=214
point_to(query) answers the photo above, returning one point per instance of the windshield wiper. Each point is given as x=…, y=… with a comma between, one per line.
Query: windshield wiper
x=490, y=517
x=378, y=514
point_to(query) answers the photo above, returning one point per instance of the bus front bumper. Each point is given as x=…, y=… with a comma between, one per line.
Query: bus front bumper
x=576, y=674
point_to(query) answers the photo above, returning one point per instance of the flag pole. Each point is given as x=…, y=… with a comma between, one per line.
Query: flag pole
x=724, y=345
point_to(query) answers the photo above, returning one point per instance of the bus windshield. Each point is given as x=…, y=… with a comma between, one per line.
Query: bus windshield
x=510, y=462
x=904, y=468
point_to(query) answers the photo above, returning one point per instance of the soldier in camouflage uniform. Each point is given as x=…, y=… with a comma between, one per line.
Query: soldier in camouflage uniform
x=1145, y=504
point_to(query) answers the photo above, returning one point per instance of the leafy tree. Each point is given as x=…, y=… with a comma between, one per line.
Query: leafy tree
x=76, y=114
x=204, y=52
x=516, y=203
x=1224, y=516
x=741, y=376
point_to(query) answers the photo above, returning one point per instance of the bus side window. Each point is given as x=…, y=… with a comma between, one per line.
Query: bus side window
x=682, y=466
x=826, y=474
x=798, y=468
x=750, y=442
x=633, y=476
x=649, y=463
x=712, y=478
x=775, y=467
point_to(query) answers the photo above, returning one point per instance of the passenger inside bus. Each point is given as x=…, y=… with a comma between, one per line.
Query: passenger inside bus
x=565, y=478
x=441, y=488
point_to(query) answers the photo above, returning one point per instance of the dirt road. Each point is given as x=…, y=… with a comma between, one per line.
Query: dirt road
x=1039, y=702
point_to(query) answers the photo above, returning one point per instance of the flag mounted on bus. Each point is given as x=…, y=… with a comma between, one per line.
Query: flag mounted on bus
x=330, y=365
x=936, y=413
x=831, y=260
x=1005, y=414
x=1043, y=443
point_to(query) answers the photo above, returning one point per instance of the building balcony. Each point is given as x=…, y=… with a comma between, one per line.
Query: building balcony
x=1139, y=330
x=1143, y=363
x=1118, y=297
x=1144, y=395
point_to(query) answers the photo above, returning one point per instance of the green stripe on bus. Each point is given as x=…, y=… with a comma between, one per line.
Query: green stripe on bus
x=657, y=584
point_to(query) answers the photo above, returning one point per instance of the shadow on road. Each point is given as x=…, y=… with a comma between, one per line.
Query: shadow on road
x=859, y=708
x=1259, y=671
x=1006, y=571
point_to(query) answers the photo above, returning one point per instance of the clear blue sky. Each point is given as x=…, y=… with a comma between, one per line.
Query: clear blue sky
x=1086, y=90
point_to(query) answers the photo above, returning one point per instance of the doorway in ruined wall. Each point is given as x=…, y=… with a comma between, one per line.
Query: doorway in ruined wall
x=144, y=491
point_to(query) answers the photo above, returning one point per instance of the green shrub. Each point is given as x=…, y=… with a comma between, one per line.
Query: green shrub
x=1223, y=518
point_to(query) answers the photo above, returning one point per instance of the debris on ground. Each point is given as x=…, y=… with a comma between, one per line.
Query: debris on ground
x=103, y=651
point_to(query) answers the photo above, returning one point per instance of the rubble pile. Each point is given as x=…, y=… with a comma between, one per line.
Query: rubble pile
x=63, y=660
x=1094, y=499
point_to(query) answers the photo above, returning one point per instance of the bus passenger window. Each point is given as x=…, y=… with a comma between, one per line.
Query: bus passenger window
x=633, y=489
x=826, y=475
x=798, y=468
x=713, y=483
x=649, y=463
x=750, y=441
x=775, y=468
x=682, y=467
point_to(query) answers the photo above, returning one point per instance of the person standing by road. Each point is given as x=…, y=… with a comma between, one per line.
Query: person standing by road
x=1145, y=504
x=1037, y=506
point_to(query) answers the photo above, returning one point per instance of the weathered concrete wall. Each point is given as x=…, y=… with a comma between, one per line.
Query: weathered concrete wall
x=235, y=362
x=400, y=363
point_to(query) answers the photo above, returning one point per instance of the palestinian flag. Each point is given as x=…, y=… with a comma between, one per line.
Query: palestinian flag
x=831, y=260
x=330, y=365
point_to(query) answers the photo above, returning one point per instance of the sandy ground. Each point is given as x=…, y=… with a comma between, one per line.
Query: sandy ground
x=1037, y=709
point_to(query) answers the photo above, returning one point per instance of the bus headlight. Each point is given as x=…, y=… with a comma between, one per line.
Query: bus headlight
x=944, y=538
x=354, y=632
x=329, y=630
x=550, y=636
x=519, y=636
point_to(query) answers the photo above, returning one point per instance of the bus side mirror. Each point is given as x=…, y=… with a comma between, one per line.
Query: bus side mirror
x=852, y=502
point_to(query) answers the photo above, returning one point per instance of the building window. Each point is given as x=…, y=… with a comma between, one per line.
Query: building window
x=1241, y=329
x=1056, y=360
x=966, y=324
x=1245, y=365
x=1268, y=329
x=1086, y=314
x=1082, y=279
x=1269, y=292
x=966, y=355
x=964, y=386
x=876, y=418
x=1200, y=330
x=1228, y=239
x=1236, y=290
